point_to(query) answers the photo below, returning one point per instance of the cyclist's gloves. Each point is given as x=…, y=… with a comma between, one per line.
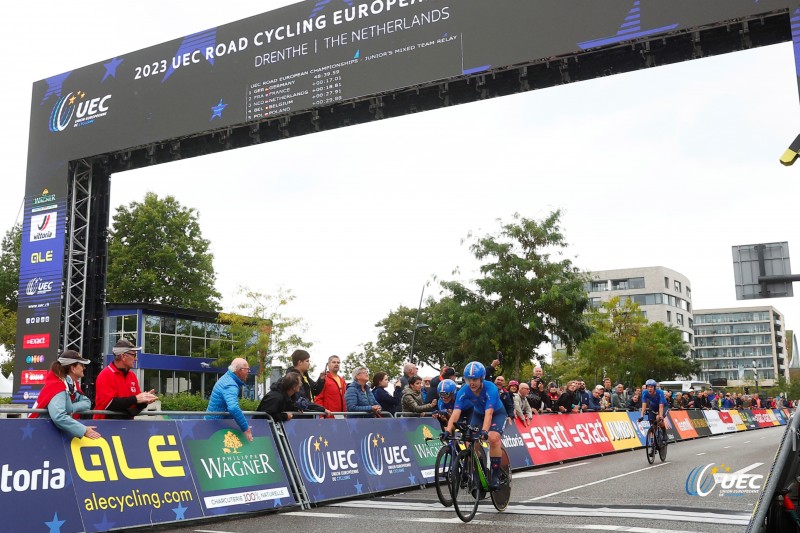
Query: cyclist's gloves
x=484, y=435
x=444, y=436
x=641, y=418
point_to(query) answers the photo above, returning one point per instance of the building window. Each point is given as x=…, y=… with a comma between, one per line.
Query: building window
x=669, y=317
x=599, y=286
x=688, y=292
x=677, y=286
x=679, y=319
x=666, y=282
x=121, y=326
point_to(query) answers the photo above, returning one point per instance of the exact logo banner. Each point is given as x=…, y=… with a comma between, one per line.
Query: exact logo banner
x=554, y=438
x=232, y=472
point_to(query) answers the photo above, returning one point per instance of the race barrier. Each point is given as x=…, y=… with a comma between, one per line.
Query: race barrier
x=162, y=471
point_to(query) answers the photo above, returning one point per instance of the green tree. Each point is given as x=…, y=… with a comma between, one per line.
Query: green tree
x=375, y=359
x=157, y=254
x=434, y=343
x=9, y=287
x=624, y=346
x=527, y=294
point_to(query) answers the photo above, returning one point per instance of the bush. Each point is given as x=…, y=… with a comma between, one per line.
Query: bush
x=185, y=401
x=5, y=400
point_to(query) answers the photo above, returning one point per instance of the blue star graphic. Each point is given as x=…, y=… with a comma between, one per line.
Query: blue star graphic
x=527, y=461
x=277, y=502
x=218, y=109
x=180, y=511
x=55, y=525
x=54, y=86
x=412, y=479
x=105, y=525
x=187, y=429
x=111, y=68
x=358, y=487
x=27, y=431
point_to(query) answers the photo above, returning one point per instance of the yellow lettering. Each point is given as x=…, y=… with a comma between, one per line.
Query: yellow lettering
x=162, y=456
x=128, y=472
x=91, y=476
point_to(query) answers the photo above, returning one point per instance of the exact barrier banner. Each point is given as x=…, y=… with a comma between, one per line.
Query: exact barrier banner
x=556, y=438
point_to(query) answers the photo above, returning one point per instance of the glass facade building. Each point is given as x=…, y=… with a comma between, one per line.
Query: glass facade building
x=180, y=346
x=735, y=345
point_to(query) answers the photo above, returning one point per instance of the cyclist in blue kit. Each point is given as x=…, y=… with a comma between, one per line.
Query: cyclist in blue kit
x=655, y=403
x=488, y=413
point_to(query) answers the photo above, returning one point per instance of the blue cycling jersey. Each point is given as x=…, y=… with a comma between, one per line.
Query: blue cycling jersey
x=442, y=406
x=654, y=400
x=489, y=397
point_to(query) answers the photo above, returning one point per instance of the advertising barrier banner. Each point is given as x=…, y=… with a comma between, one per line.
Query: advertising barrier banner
x=619, y=428
x=683, y=425
x=715, y=424
x=699, y=423
x=737, y=420
x=727, y=420
x=234, y=475
x=764, y=418
x=555, y=438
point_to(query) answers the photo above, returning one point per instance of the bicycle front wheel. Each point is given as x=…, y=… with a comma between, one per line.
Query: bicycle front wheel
x=502, y=494
x=443, y=473
x=464, y=486
x=662, y=448
x=650, y=445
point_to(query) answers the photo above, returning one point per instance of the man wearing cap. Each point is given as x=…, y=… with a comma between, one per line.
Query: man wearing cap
x=225, y=395
x=117, y=388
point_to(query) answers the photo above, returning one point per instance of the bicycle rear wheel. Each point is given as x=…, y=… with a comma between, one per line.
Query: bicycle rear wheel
x=464, y=486
x=650, y=445
x=502, y=494
x=443, y=472
x=662, y=444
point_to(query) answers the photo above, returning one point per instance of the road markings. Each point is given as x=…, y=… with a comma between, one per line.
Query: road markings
x=320, y=515
x=593, y=483
x=546, y=471
x=701, y=453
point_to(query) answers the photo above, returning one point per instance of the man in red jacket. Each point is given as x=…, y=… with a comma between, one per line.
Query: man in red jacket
x=332, y=395
x=117, y=388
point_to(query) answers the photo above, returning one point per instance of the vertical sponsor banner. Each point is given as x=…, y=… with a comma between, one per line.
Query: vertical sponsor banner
x=737, y=420
x=233, y=475
x=779, y=416
x=560, y=437
x=327, y=456
x=137, y=473
x=682, y=424
x=727, y=419
x=715, y=425
x=672, y=431
x=749, y=419
x=36, y=486
x=699, y=423
x=385, y=454
x=620, y=430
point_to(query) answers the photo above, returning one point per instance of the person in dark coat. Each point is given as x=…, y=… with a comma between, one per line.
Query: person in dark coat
x=389, y=402
x=278, y=402
x=301, y=361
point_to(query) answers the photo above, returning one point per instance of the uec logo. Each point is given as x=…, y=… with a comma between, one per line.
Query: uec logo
x=702, y=481
x=314, y=461
x=74, y=105
x=376, y=454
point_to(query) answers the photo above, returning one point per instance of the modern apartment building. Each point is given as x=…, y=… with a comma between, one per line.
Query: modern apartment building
x=663, y=295
x=734, y=344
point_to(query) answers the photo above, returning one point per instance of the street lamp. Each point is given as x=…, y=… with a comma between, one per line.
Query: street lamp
x=413, y=336
x=755, y=375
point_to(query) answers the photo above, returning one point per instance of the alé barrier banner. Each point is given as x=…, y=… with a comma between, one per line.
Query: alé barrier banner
x=137, y=473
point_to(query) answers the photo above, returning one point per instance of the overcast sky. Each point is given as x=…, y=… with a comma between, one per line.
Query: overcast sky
x=668, y=166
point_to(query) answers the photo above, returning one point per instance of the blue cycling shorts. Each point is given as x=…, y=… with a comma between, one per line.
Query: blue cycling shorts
x=498, y=421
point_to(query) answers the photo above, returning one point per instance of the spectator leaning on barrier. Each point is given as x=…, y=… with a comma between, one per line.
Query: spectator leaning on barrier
x=331, y=397
x=533, y=395
x=678, y=401
x=619, y=398
x=727, y=402
x=505, y=396
x=553, y=395
x=388, y=402
x=547, y=402
x=635, y=402
x=301, y=361
x=359, y=397
x=593, y=400
x=117, y=388
x=522, y=409
x=62, y=395
x=225, y=395
x=690, y=399
x=279, y=401
x=412, y=397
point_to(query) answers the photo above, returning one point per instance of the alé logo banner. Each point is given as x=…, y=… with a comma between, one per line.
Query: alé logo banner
x=722, y=480
x=137, y=473
x=37, y=489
